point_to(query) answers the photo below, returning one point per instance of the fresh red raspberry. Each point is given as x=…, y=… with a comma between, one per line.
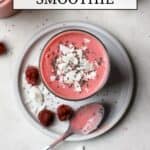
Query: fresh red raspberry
x=3, y=48
x=32, y=75
x=64, y=112
x=46, y=117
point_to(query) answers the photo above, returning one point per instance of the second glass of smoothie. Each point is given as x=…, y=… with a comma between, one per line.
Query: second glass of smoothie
x=6, y=8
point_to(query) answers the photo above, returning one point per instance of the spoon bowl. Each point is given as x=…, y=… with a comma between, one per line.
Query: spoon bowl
x=86, y=120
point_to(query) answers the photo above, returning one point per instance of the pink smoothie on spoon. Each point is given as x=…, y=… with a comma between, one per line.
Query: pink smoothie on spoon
x=85, y=121
x=74, y=65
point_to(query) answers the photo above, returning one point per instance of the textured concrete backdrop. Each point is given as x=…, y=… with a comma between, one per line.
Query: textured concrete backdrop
x=131, y=27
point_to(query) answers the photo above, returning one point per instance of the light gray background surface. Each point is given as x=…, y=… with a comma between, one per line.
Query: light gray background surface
x=131, y=27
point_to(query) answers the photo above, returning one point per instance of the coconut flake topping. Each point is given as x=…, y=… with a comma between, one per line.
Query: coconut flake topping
x=72, y=67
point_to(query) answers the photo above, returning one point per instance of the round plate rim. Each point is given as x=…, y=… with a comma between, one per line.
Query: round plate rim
x=44, y=31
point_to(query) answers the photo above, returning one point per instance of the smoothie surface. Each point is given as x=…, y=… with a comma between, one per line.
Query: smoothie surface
x=94, y=51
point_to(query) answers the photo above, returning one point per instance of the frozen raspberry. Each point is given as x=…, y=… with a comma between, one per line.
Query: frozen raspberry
x=64, y=112
x=32, y=75
x=2, y=48
x=46, y=117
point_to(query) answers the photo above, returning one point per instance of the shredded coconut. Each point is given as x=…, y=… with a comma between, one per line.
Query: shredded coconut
x=72, y=67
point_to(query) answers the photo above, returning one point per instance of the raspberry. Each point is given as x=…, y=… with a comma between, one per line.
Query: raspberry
x=64, y=112
x=2, y=48
x=32, y=75
x=46, y=117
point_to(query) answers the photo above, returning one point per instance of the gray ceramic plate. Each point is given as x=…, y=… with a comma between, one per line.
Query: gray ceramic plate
x=116, y=95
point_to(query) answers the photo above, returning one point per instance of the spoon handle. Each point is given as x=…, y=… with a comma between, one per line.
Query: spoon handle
x=60, y=139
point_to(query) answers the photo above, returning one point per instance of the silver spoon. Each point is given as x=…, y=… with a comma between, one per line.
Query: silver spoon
x=85, y=121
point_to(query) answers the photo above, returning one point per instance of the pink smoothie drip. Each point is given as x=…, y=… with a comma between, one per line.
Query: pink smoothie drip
x=6, y=8
x=88, y=118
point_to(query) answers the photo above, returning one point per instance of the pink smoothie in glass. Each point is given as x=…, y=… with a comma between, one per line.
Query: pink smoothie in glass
x=6, y=8
x=95, y=52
